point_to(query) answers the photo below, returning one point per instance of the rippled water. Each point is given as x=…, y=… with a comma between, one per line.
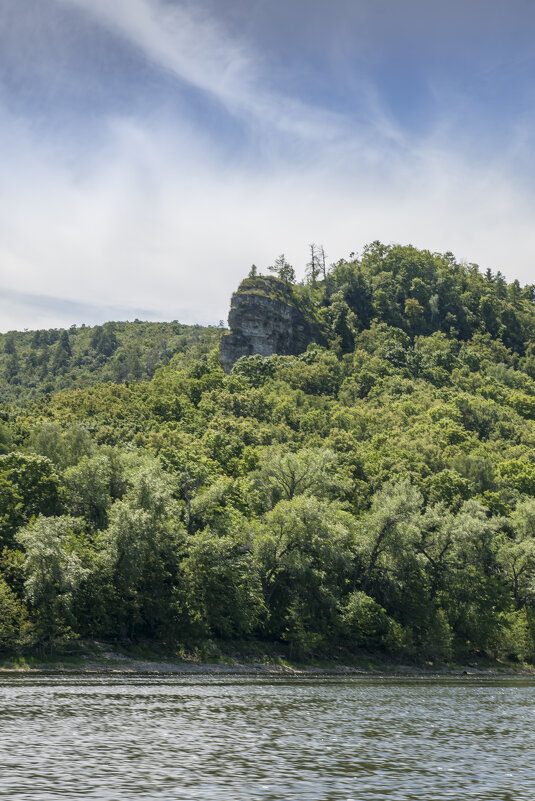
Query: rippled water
x=210, y=738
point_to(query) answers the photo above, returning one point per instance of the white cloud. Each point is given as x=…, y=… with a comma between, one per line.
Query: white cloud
x=192, y=46
x=196, y=48
x=161, y=225
x=153, y=218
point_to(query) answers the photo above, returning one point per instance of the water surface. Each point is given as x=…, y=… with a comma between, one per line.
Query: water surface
x=245, y=738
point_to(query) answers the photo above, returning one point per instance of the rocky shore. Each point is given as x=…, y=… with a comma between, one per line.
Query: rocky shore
x=105, y=659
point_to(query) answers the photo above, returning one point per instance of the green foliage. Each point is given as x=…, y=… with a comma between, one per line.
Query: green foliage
x=63, y=447
x=33, y=363
x=375, y=492
x=220, y=588
x=367, y=625
x=53, y=571
x=15, y=627
x=28, y=487
x=303, y=552
x=283, y=475
x=284, y=270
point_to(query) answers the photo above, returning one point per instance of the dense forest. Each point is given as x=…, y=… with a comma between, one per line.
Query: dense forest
x=375, y=494
x=34, y=363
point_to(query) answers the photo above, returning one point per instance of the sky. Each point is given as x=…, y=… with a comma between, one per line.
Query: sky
x=152, y=150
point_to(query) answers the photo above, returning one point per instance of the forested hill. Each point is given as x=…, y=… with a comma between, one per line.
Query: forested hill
x=34, y=363
x=372, y=494
x=414, y=291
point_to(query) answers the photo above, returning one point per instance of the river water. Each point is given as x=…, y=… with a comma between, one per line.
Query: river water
x=210, y=738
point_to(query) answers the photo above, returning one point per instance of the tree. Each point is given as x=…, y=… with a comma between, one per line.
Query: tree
x=63, y=447
x=388, y=528
x=5, y=438
x=15, y=628
x=283, y=475
x=519, y=474
x=29, y=486
x=367, y=625
x=10, y=347
x=62, y=352
x=414, y=313
x=220, y=593
x=448, y=487
x=284, y=270
x=322, y=262
x=517, y=554
x=139, y=557
x=303, y=552
x=475, y=577
x=104, y=339
x=53, y=572
x=89, y=489
x=314, y=265
x=342, y=324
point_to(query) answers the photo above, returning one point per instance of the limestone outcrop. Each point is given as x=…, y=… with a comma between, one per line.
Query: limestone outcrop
x=266, y=317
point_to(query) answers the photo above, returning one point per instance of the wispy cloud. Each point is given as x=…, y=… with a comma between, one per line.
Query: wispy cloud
x=181, y=39
x=159, y=224
x=197, y=48
x=153, y=215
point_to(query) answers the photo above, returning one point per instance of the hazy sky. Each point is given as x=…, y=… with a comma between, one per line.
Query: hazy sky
x=151, y=150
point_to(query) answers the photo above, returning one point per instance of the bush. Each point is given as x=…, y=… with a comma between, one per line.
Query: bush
x=368, y=626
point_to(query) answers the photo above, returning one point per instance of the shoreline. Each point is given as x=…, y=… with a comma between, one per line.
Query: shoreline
x=109, y=662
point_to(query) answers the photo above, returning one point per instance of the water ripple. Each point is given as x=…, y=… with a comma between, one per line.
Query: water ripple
x=247, y=738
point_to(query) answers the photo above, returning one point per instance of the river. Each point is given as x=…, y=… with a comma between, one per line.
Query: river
x=211, y=738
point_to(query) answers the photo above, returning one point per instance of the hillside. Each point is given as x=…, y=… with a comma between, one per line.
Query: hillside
x=372, y=494
x=33, y=363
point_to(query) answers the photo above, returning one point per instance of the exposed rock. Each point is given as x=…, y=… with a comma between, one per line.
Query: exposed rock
x=266, y=317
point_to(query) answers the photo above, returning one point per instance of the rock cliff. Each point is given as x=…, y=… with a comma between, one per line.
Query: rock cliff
x=266, y=317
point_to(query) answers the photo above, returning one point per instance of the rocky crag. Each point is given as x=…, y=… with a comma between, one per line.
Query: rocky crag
x=267, y=316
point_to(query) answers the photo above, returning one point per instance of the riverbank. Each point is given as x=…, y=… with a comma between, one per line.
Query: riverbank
x=99, y=657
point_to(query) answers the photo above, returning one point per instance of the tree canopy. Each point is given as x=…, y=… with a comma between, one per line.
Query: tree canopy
x=376, y=493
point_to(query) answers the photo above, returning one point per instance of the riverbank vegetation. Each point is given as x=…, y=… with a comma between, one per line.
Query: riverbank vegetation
x=375, y=493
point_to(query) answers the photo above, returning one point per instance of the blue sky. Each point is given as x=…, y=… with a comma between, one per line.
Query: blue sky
x=151, y=150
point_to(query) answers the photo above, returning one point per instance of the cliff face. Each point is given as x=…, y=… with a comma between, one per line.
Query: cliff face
x=265, y=318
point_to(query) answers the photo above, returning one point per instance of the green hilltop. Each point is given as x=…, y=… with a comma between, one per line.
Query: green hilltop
x=372, y=494
x=33, y=363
